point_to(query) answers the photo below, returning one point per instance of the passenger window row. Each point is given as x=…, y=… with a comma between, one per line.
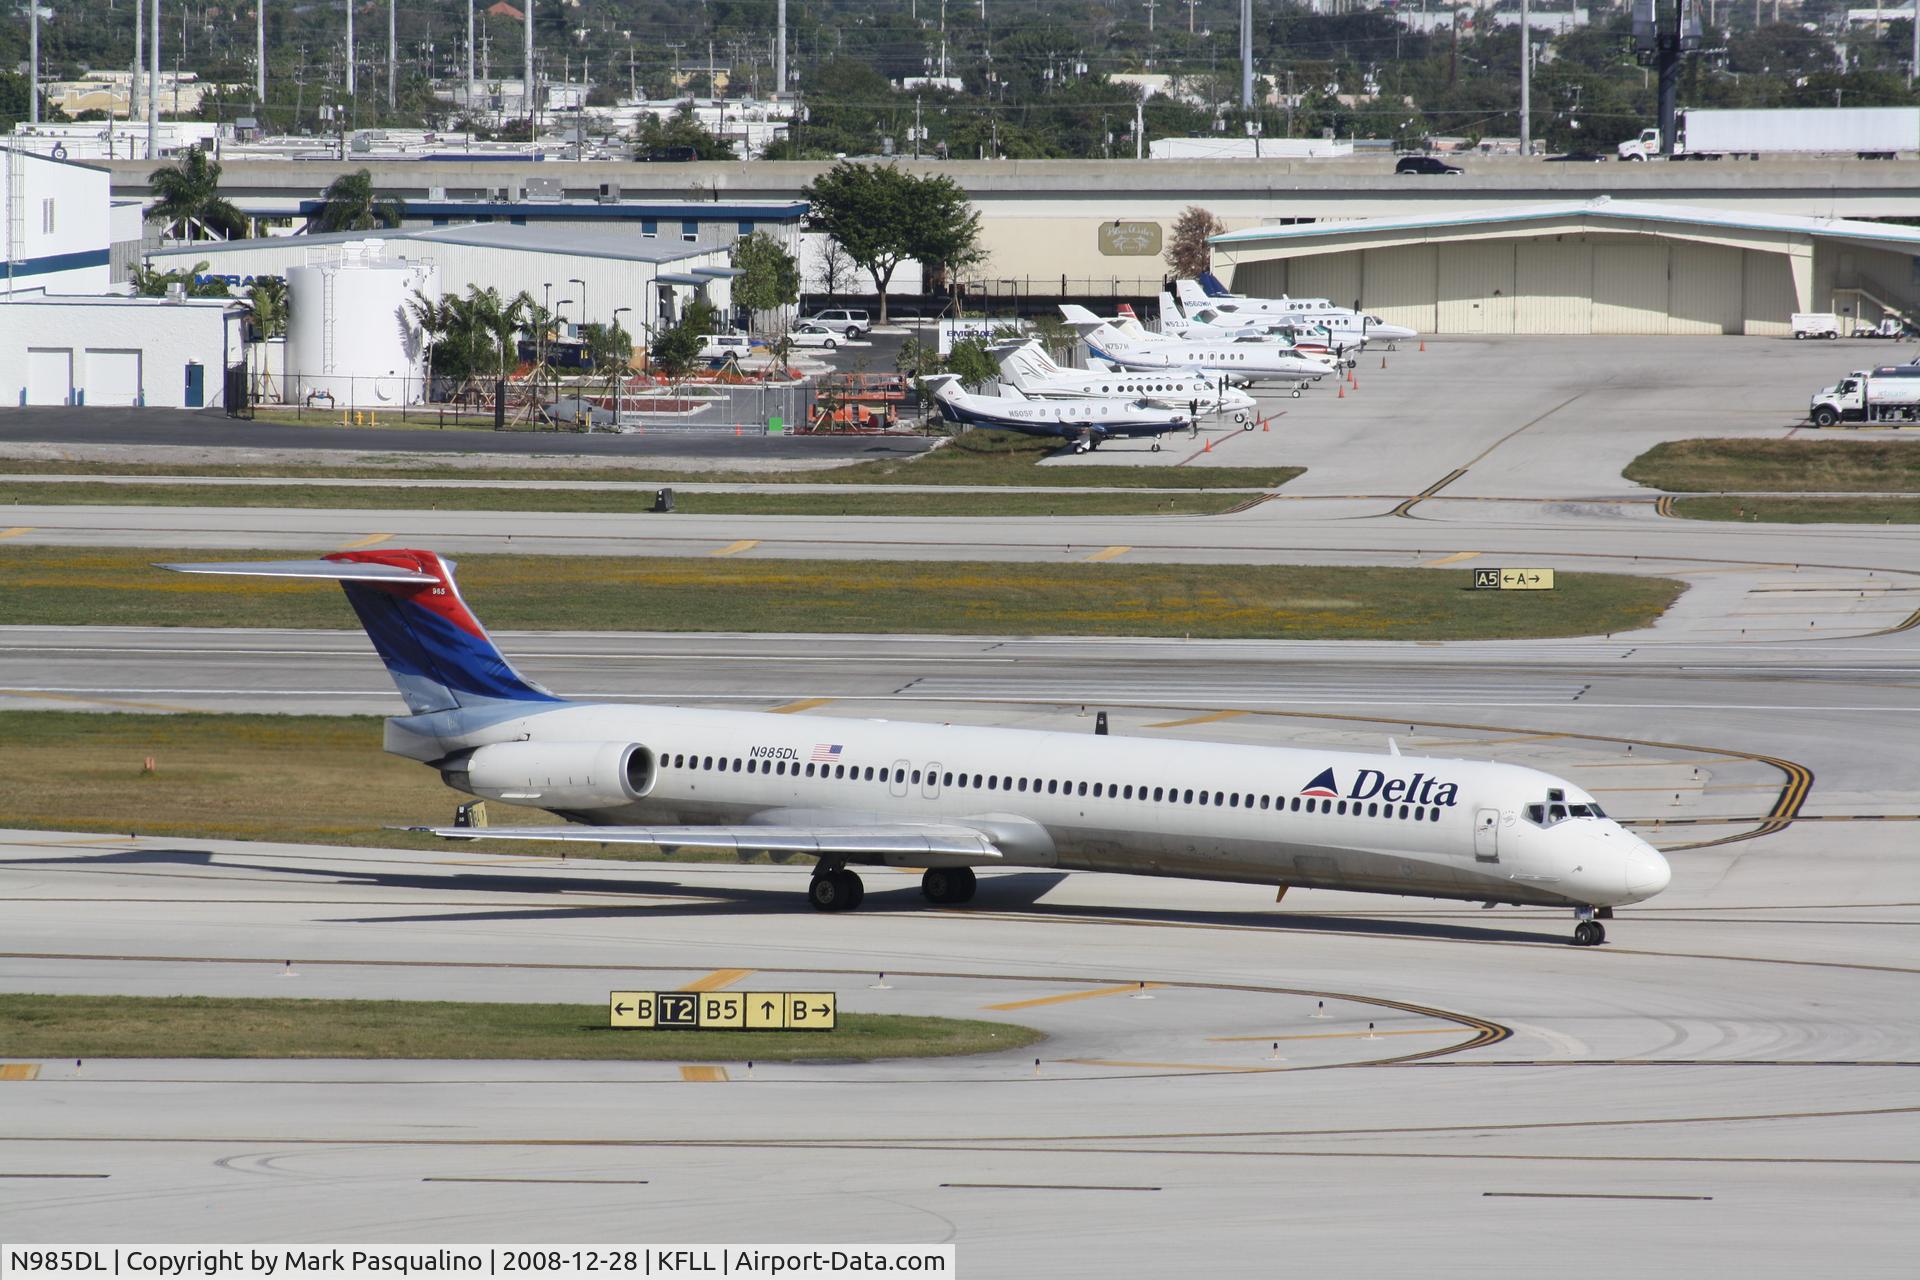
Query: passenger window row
x=1056, y=787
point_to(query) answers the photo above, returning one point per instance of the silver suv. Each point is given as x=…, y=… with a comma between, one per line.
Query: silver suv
x=843, y=321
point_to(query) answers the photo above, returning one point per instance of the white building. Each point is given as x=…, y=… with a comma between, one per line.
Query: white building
x=57, y=229
x=108, y=350
x=651, y=277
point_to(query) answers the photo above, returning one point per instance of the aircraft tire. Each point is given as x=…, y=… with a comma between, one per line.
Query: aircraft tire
x=1589, y=933
x=947, y=885
x=835, y=891
x=1156, y=446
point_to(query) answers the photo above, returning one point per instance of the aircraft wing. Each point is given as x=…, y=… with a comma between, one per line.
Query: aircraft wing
x=903, y=839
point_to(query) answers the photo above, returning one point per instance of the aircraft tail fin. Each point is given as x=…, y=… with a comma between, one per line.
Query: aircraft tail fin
x=1211, y=283
x=1190, y=293
x=1079, y=317
x=436, y=651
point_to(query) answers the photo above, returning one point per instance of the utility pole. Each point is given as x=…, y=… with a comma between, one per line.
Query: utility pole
x=1150, y=8
x=33, y=59
x=1526, y=81
x=349, y=46
x=533, y=130
x=780, y=50
x=1191, y=6
x=153, y=85
x=139, y=55
x=260, y=56
x=468, y=103
x=1140, y=129
x=1246, y=54
x=393, y=56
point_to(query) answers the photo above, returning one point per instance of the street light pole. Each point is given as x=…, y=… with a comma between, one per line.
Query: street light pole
x=583, y=297
x=1526, y=81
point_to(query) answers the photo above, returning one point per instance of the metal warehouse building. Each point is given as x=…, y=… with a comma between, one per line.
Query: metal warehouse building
x=1593, y=266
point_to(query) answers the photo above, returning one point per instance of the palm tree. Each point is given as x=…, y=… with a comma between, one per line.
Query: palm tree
x=351, y=204
x=267, y=307
x=190, y=199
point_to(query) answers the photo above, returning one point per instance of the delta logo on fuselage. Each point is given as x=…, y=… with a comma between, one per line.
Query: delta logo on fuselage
x=1372, y=784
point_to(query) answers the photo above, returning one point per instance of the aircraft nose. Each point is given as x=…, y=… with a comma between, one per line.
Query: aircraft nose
x=1647, y=872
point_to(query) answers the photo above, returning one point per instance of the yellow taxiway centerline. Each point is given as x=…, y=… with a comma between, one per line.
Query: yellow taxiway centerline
x=735, y=548
x=1130, y=988
x=1343, y=1035
x=805, y=704
x=718, y=979
x=1210, y=717
x=1458, y=557
x=1111, y=553
x=704, y=1075
x=16, y=531
x=371, y=540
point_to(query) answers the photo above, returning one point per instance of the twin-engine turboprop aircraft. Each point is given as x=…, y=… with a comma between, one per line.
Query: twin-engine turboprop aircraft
x=948, y=798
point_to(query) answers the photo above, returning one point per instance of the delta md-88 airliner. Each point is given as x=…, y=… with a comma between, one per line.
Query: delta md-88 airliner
x=948, y=799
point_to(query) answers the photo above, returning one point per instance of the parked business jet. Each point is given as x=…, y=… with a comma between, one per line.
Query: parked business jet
x=1088, y=423
x=950, y=798
x=1028, y=369
x=1206, y=290
x=1244, y=359
x=1353, y=328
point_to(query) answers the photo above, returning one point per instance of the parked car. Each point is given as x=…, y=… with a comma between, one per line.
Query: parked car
x=1425, y=164
x=1581, y=157
x=849, y=323
x=816, y=336
x=718, y=346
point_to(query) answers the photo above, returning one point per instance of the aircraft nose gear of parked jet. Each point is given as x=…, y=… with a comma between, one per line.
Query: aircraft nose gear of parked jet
x=1589, y=932
x=834, y=888
x=947, y=885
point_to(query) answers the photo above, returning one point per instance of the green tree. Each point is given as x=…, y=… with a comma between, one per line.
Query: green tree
x=267, y=307
x=883, y=216
x=351, y=204
x=1187, y=251
x=657, y=136
x=610, y=346
x=675, y=349
x=473, y=335
x=188, y=198
x=973, y=362
x=769, y=279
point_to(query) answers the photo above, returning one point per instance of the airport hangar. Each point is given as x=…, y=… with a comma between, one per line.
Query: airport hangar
x=1599, y=266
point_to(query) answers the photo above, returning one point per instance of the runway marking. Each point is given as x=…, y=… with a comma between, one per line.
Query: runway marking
x=1065, y=997
x=1210, y=717
x=1342, y=1035
x=1111, y=553
x=566, y=1182
x=1663, y=506
x=55, y=1175
x=1458, y=557
x=718, y=979
x=1492, y=742
x=1234, y=1068
x=1581, y=1195
x=1039, y=1186
x=735, y=548
x=805, y=704
x=19, y=1070
x=704, y=1075
x=16, y=531
x=371, y=540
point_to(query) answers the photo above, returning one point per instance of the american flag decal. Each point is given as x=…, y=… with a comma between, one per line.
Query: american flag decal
x=827, y=754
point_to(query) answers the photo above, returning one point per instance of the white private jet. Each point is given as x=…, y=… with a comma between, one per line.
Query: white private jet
x=1352, y=327
x=1030, y=370
x=1086, y=422
x=950, y=798
x=1244, y=359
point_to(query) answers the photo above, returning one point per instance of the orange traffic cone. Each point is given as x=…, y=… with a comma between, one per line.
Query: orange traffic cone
x=736, y=431
x=1354, y=383
x=1423, y=344
x=1383, y=362
x=1207, y=447
x=1343, y=392
x=1266, y=424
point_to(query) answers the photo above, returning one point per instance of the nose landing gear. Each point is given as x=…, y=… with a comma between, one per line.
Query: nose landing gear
x=1589, y=932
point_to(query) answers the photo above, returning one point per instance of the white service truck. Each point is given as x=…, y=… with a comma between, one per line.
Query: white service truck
x=1889, y=394
x=1871, y=133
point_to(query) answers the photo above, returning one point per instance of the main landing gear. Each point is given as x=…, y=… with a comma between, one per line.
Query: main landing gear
x=835, y=889
x=1589, y=932
x=948, y=885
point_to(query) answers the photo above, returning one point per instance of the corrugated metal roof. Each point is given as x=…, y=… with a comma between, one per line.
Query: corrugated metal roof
x=1601, y=207
x=616, y=242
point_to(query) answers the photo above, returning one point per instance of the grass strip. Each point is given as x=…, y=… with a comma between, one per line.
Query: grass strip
x=973, y=458
x=1779, y=466
x=65, y=586
x=1863, y=510
x=301, y=779
x=39, y=1026
x=850, y=502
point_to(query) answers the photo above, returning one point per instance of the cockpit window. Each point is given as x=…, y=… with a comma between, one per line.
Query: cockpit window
x=1580, y=810
x=1556, y=811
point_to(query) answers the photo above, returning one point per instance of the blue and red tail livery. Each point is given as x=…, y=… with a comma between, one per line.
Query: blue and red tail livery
x=435, y=649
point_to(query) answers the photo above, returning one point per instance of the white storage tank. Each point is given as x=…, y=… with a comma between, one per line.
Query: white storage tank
x=352, y=339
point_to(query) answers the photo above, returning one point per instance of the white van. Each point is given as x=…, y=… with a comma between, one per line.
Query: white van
x=718, y=346
x=845, y=321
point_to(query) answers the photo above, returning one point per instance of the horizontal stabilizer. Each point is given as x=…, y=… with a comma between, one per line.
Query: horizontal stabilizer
x=903, y=839
x=330, y=570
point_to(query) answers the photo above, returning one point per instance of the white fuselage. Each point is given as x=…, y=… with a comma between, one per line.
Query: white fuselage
x=1267, y=815
x=1030, y=371
x=1242, y=359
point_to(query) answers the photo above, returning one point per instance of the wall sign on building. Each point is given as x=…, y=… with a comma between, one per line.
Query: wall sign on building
x=1129, y=239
